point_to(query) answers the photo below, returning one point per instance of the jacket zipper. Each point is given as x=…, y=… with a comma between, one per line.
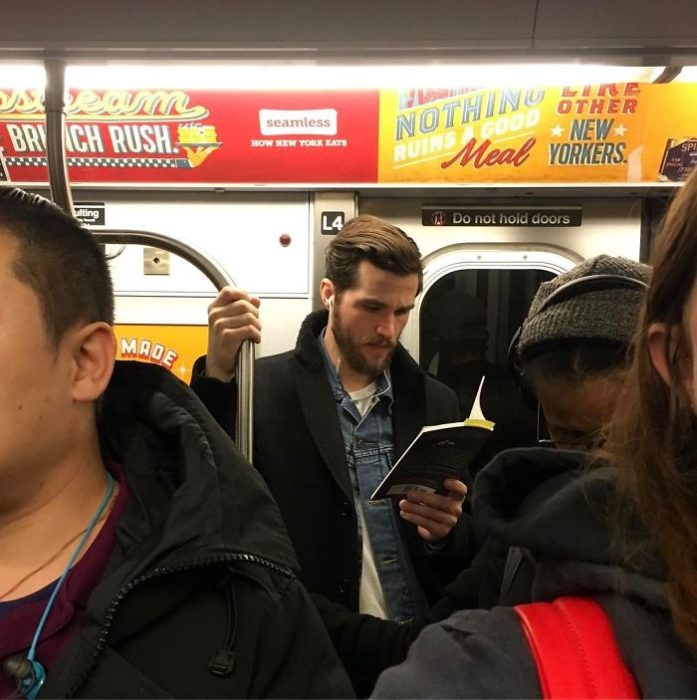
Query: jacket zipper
x=156, y=573
x=223, y=661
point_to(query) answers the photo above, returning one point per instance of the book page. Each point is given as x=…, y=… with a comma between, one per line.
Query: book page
x=437, y=453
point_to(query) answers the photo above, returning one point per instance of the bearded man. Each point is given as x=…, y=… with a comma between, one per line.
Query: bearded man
x=332, y=416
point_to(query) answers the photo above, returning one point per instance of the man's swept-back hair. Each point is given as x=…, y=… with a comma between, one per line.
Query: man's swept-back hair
x=653, y=435
x=373, y=239
x=59, y=259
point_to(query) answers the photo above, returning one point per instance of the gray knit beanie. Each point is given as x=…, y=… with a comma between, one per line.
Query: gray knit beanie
x=602, y=315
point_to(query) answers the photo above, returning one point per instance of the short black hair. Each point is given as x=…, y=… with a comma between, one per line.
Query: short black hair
x=59, y=259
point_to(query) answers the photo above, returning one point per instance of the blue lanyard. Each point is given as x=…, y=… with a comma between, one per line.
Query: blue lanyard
x=30, y=685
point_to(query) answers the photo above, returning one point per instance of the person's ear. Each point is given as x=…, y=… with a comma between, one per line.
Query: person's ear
x=326, y=292
x=93, y=353
x=661, y=340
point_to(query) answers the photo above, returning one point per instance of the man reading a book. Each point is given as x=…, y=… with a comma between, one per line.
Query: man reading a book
x=334, y=414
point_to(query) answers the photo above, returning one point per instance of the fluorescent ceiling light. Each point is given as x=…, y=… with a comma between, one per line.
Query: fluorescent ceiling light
x=23, y=76
x=303, y=76
x=688, y=74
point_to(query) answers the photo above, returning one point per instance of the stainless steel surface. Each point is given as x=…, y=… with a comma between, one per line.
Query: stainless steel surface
x=344, y=202
x=244, y=426
x=219, y=277
x=55, y=135
x=61, y=195
x=156, y=261
x=643, y=32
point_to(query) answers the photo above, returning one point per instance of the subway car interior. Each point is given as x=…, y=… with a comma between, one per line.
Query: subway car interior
x=215, y=144
x=261, y=196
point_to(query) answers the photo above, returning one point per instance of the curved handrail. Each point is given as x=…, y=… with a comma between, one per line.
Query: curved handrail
x=220, y=278
x=61, y=195
x=203, y=262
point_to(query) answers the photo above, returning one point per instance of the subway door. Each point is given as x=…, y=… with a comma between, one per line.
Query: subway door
x=472, y=304
x=262, y=242
x=479, y=282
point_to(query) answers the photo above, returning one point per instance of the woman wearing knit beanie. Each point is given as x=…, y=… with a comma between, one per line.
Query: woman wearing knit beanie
x=575, y=346
x=623, y=533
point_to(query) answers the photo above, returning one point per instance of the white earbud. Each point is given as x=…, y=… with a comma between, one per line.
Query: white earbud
x=330, y=302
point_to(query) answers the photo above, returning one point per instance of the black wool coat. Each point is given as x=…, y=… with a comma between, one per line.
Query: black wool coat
x=299, y=450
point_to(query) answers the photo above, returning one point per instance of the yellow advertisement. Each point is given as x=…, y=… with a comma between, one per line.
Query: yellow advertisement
x=606, y=133
x=174, y=347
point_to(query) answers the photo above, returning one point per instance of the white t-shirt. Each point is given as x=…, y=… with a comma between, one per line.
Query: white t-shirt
x=371, y=597
x=364, y=398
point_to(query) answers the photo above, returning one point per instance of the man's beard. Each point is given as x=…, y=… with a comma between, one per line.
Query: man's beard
x=351, y=353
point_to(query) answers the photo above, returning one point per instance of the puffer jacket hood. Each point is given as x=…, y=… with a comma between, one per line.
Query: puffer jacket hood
x=562, y=508
x=202, y=498
x=199, y=597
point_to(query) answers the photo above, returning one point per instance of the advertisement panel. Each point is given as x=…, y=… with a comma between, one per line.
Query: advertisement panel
x=188, y=137
x=602, y=133
x=616, y=132
x=173, y=347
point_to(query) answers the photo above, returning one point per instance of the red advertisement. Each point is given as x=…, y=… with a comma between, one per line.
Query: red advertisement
x=188, y=137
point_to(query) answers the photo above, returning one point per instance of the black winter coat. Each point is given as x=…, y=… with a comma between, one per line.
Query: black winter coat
x=300, y=453
x=199, y=598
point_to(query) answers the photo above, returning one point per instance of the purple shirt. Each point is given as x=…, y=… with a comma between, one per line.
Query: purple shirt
x=19, y=618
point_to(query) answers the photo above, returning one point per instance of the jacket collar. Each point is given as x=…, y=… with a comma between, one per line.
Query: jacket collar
x=408, y=379
x=307, y=350
x=192, y=493
x=194, y=502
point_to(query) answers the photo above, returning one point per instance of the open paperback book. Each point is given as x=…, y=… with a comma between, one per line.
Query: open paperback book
x=438, y=452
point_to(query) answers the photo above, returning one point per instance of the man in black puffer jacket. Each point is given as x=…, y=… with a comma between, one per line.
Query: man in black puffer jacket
x=200, y=596
x=141, y=555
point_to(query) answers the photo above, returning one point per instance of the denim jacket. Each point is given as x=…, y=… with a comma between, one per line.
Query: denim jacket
x=368, y=443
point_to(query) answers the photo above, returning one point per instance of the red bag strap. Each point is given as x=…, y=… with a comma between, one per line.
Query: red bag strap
x=575, y=651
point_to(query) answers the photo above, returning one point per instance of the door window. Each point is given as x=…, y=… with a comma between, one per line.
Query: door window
x=467, y=319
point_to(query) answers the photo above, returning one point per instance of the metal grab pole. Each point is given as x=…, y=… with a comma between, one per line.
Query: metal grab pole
x=61, y=195
x=244, y=426
x=55, y=135
x=218, y=276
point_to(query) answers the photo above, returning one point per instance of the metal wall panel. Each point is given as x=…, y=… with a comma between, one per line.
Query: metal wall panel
x=318, y=28
x=599, y=23
x=267, y=22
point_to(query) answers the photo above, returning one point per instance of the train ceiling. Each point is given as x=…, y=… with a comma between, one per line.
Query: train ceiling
x=635, y=32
